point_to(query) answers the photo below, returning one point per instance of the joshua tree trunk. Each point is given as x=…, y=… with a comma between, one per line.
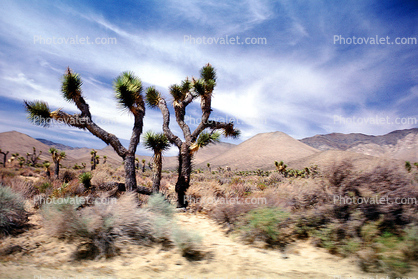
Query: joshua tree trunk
x=185, y=169
x=130, y=175
x=4, y=157
x=158, y=166
x=57, y=169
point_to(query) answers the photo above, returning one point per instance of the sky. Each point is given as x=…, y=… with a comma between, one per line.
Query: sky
x=299, y=67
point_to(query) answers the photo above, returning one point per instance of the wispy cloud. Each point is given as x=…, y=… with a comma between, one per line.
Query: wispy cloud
x=295, y=83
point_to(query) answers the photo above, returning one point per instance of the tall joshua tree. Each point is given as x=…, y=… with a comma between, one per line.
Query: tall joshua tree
x=183, y=95
x=33, y=158
x=143, y=165
x=128, y=92
x=56, y=158
x=157, y=143
x=93, y=160
x=4, y=157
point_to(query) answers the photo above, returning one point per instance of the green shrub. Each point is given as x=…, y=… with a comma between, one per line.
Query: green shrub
x=85, y=179
x=189, y=243
x=264, y=224
x=158, y=205
x=13, y=215
x=43, y=187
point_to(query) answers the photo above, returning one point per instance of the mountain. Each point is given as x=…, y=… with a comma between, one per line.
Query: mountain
x=261, y=151
x=16, y=142
x=59, y=146
x=399, y=144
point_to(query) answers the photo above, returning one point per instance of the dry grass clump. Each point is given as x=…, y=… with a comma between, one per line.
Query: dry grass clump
x=101, y=176
x=102, y=228
x=13, y=216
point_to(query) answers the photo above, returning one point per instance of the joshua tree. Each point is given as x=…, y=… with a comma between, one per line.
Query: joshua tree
x=56, y=158
x=143, y=165
x=93, y=160
x=4, y=157
x=157, y=143
x=47, y=165
x=281, y=167
x=104, y=159
x=14, y=156
x=408, y=166
x=21, y=161
x=183, y=95
x=208, y=164
x=128, y=92
x=32, y=159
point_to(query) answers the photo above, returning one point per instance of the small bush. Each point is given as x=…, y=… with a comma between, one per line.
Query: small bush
x=189, y=243
x=85, y=179
x=43, y=187
x=265, y=224
x=158, y=205
x=68, y=175
x=13, y=215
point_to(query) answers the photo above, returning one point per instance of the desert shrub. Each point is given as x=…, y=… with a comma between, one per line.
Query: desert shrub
x=101, y=176
x=265, y=224
x=43, y=187
x=274, y=178
x=85, y=179
x=60, y=217
x=229, y=214
x=13, y=215
x=189, y=243
x=101, y=227
x=68, y=175
x=22, y=186
x=158, y=205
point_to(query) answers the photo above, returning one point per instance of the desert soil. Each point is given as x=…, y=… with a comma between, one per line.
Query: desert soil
x=46, y=257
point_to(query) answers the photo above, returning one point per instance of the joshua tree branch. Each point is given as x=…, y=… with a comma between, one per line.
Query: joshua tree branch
x=80, y=122
x=166, y=124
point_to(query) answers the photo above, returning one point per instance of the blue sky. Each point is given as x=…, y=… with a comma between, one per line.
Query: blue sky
x=300, y=81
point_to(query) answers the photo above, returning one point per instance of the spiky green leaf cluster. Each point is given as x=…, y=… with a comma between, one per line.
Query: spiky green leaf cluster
x=71, y=86
x=128, y=90
x=186, y=85
x=231, y=132
x=177, y=92
x=208, y=73
x=152, y=97
x=38, y=112
x=206, y=138
x=199, y=87
x=157, y=142
x=56, y=155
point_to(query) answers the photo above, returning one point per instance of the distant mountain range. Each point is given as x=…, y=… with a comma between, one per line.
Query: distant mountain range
x=58, y=146
x=259, y=151
x=399, y=144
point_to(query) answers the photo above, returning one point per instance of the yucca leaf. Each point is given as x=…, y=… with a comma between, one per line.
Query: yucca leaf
x=152, y=97
x=230, y=131
x=199, y=87
x=206, y=138
x=208, y=73
x=177, y=93
x=157, y=142
x=128, y=90
x=71, y=85
x=38, y=112
x=186, y=85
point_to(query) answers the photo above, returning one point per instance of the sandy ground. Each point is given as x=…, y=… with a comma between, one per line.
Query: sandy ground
x=46, y=257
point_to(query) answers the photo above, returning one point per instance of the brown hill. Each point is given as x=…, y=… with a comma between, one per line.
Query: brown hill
x=261, y=151
x=16, y=142
x=204, y=154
